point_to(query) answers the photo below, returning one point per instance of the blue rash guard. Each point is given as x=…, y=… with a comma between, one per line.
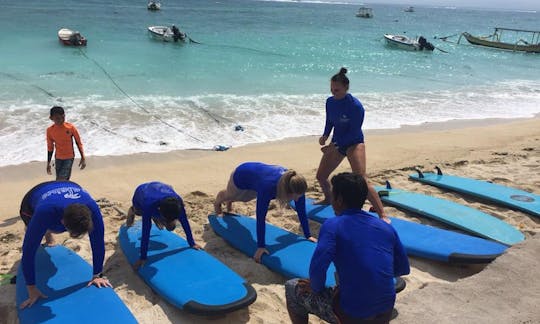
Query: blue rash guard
x=47, y=203
x=367, y=254
x=345, y=116
x=146, y=199
x=263, y=179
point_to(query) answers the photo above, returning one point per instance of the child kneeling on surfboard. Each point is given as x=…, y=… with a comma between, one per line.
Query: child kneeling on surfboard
x=158, y=202
x=265, y=182
x=367, y=254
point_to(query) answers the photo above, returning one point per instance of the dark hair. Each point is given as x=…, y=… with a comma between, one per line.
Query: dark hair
x=351, y=187
x=340, y=77
x=170, y=208
x=57, y=110
x=78, y=219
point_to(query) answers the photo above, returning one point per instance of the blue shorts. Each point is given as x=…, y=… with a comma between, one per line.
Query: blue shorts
x=63, y=168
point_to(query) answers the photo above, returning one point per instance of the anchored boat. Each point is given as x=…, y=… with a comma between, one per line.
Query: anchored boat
x=154, y=5
x=364, y=12
x=70, y=37
x=167, y=34
x=531, y=44
x=410, y=44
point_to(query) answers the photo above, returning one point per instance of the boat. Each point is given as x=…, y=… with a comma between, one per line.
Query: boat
x=364, y=12
x=154, y=5
x=167, y=34
x=532, y=45
x=70, y=37
x=410, y=44
x=409, y=9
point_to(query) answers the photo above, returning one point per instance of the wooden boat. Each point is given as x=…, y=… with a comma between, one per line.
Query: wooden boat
x=409, y=44
x=154, y=5
x=167, y=34
x=494, y=40
x=70, y=37
x=364, y=12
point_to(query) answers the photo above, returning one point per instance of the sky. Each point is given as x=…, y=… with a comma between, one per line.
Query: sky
x=491, y=4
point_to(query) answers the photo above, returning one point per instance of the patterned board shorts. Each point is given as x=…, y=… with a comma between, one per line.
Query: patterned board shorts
x=302, y=304
x=63, y=168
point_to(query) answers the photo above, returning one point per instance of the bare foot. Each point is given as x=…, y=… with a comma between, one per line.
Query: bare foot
x=130, y=217
x=217, y=210
x=49, y=240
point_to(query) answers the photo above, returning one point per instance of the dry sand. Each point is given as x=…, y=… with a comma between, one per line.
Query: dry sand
x=505, y=152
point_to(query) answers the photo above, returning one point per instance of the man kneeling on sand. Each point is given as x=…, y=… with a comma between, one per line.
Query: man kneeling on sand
x=367, y=254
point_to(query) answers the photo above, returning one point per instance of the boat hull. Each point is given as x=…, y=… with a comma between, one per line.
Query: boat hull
x=401, y=42
x=66, y=37
x=507, y=46
x=164, y=34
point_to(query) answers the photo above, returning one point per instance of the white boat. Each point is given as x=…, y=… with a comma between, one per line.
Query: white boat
x=406, y=43
x=364, y=12
x=167, y=34
x=70, y=37
x=409, y=9
x=154, y=5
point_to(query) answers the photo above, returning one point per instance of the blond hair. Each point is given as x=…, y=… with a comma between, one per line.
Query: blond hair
x=290, y=183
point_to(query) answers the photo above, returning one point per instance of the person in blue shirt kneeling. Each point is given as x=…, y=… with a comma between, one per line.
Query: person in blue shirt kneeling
x=367, y=254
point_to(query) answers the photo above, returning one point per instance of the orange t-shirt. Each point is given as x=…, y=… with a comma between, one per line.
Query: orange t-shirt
x=60, y=138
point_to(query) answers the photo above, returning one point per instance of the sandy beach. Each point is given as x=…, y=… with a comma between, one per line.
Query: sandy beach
x=502, y=151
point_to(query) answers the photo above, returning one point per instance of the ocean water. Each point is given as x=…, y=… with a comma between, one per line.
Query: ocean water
x=264, y=65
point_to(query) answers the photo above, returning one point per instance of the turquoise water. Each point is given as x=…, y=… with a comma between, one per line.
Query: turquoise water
x=264, y=65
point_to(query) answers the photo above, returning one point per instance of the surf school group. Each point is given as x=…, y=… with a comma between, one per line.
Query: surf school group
x=64, y=206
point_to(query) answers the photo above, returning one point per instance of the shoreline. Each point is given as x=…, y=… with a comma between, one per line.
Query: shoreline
x=502, y=152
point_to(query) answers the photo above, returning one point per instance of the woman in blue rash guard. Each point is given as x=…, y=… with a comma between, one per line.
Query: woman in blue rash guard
x=345, y=115
x=265, y=182
x=158, y=202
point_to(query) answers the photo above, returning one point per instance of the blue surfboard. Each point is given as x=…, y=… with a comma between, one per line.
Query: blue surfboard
x=499, y=194
x=187, y=278
x=451, y=213
x=62, y=276
x=427, y=241
x=290, y=254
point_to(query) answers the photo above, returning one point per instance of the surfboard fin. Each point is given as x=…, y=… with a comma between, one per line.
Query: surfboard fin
x=388, y=186
x=439, y=171
x=420, y=174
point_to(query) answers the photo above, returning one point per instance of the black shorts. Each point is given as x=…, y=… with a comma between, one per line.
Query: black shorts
x=343, y=149
x=26, y=210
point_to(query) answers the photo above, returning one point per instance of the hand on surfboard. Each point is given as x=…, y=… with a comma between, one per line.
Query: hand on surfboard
x=259, y=253
x=100, y=282
x=33, y=295
x=312, y=239
x=140, y=263
x=197, y=247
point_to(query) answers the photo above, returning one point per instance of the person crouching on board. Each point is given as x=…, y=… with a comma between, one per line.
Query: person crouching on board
x=158, y=202
x=265, y=182
x=367, y=254
x=56, y=207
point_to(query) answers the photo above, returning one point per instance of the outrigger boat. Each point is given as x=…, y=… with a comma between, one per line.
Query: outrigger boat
x=364, y=12
x=494, y=40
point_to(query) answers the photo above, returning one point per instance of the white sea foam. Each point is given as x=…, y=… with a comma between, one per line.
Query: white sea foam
x=165, y=123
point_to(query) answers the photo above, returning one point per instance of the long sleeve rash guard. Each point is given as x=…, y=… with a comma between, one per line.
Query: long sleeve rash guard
x=147, y=198
x=346, y=117
x=263, y=179
x=48, y=202
x=367, y=254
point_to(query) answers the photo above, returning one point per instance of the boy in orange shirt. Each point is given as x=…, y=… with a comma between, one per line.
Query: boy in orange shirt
x=60, y=137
